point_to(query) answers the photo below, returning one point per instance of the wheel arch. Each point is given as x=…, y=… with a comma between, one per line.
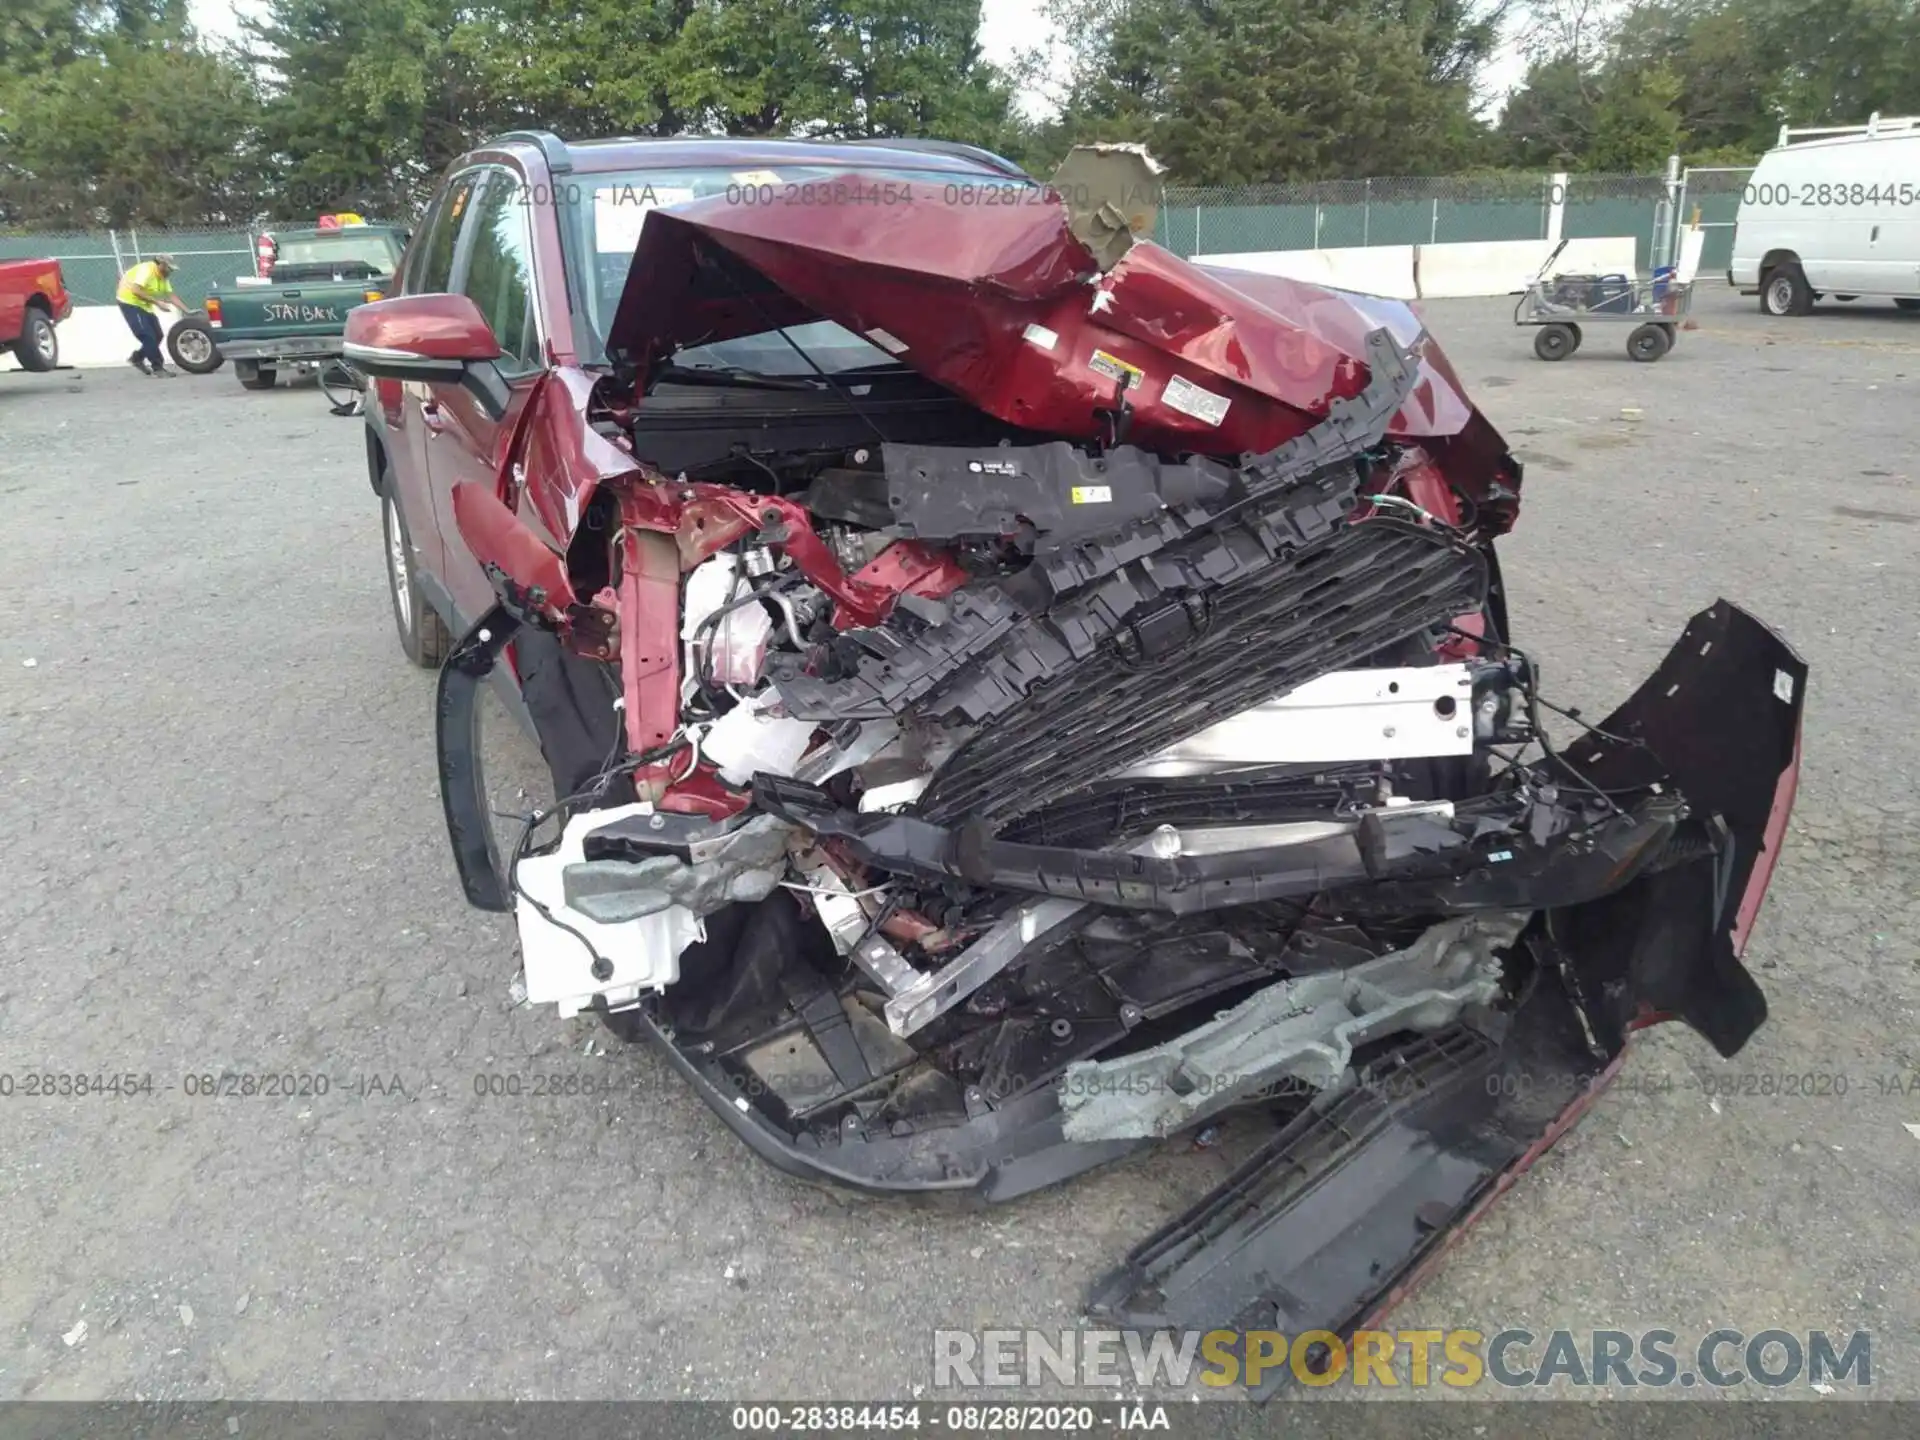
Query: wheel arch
x=376, y=457
x=1774, y=259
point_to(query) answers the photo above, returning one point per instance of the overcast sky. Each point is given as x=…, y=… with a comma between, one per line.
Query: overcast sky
x=1006, y=26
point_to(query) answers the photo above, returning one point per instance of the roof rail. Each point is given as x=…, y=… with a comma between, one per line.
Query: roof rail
x=552, y=148
x=1877, y=124
x=944, y=147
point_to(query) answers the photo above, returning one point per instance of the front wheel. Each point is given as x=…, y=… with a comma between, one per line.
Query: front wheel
x=1648, y=342
x=1556, y=341
x=424, y=638
x=1784, y=291
x=1908, y=304
x=38, y=348
x=192, y=346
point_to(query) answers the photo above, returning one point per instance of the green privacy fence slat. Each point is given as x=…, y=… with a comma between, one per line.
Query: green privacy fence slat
x=1445, y=210
x=1714, y=196
x=1717, y=254
x=1587, y=220
x=1190, y=230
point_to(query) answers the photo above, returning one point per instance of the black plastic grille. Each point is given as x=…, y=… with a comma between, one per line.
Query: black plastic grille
x=1334, y=605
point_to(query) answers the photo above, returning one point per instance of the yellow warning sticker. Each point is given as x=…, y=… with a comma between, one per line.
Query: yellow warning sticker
x=1093, y=494
x=1114, y=368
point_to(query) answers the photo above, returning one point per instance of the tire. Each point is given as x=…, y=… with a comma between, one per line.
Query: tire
x=192, y=346
x=1556, y=342
x=253, y=375
x=1648, y=343
x=1784, y=291
x=1843, y=299
x=424, y=638
x=38, y=348
x=1907, y=304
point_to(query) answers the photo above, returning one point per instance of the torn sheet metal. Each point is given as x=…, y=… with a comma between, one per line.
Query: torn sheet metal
x=1303, y=1030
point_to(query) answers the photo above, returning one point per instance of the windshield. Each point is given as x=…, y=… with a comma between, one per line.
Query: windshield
x=606, y=211
x=373, y=253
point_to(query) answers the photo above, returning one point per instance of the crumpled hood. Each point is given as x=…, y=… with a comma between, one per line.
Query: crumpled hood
x=1000, y=303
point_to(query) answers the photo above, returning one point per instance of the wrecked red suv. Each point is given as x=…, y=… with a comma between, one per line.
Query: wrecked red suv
x=1018, y=695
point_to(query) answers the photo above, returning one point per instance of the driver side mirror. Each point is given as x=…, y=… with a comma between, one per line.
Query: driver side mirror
x=418, y=337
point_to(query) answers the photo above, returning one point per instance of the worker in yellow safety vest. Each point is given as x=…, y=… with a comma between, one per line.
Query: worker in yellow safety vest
x=144, y=290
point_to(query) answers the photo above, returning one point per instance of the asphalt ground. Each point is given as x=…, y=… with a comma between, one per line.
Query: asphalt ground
x=223, y=853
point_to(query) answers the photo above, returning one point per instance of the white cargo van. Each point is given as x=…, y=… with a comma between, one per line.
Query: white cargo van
x=1832, y=212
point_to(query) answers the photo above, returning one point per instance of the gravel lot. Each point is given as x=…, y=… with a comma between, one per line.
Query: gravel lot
x=224, y=853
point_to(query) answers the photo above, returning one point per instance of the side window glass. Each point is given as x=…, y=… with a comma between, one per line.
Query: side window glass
x=500, y=273
x=431, y=269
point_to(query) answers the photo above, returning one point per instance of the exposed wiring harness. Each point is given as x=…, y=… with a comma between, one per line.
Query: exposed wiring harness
x=1400, y=502
x=1530, y=692
x=835, y=894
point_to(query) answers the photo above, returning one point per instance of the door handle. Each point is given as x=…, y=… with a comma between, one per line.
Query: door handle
x=291, y=294
x=431, y=417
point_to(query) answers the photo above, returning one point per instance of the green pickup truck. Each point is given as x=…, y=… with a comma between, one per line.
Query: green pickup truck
x=293, y=317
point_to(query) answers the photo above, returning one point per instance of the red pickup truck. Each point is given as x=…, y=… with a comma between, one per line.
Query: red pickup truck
x=33, y=299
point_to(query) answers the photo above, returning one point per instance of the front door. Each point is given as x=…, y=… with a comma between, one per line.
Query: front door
x=473, y=421
x=409, y=413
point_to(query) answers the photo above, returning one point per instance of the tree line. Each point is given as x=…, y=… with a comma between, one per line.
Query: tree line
x=115, y=112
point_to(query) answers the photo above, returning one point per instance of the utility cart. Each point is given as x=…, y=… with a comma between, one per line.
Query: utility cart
x=1560, y=306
